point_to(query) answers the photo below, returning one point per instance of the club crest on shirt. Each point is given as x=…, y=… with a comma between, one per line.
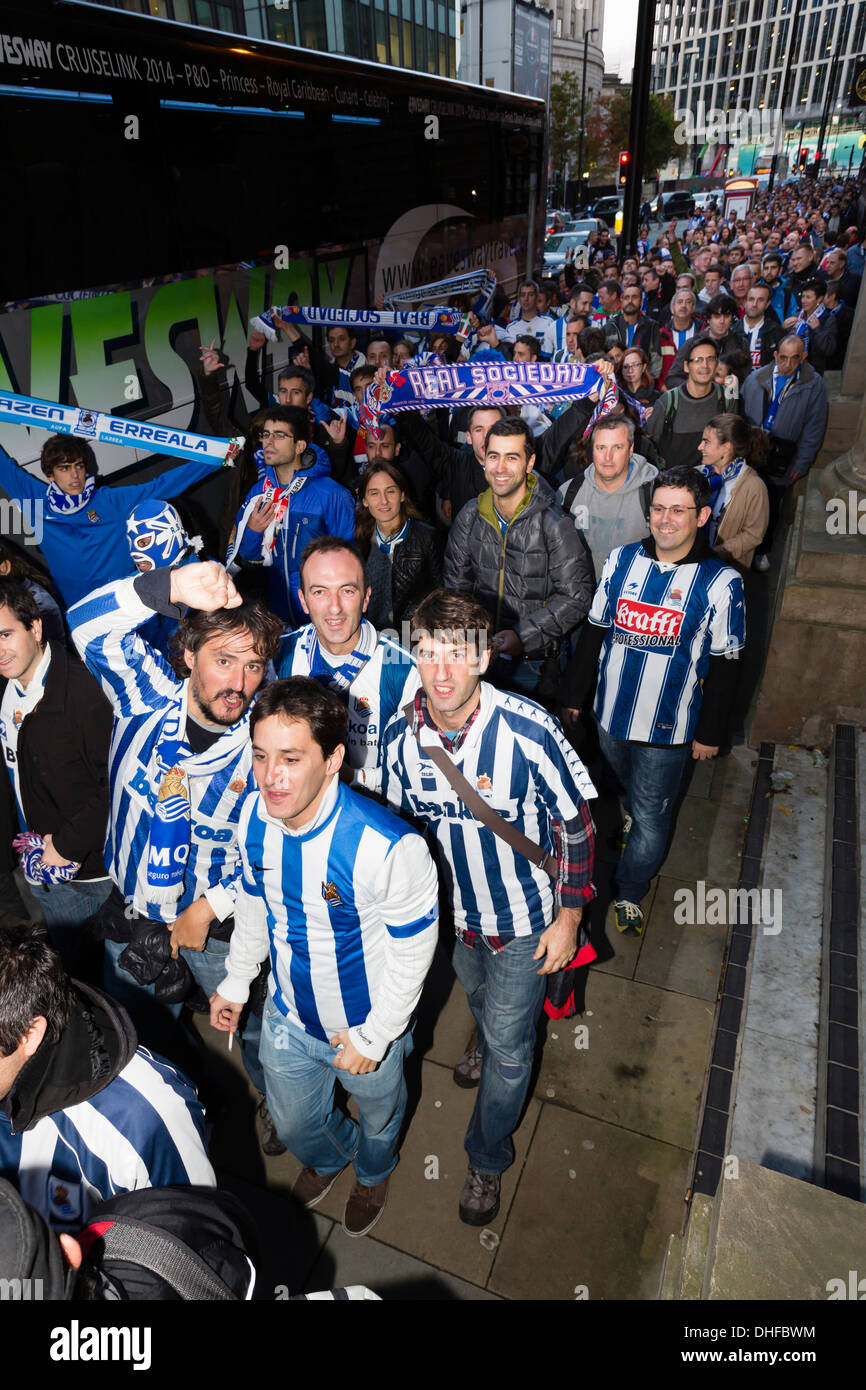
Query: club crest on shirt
x=92, y=515
x=17, y=717
x=675, y=598
x=331, y=894
x=484, y=783
x=237, y=786
x=362, y=704
x=64, y=1200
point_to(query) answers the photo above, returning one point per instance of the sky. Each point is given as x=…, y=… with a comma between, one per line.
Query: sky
x=620, y=25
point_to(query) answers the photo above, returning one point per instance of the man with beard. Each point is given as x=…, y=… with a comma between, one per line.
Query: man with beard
x=179, y=767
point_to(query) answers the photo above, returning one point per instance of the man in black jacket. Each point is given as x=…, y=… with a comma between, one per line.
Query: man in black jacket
x=631, y=328
x=459, y=472
x=516, y=552
x=759, y=331
x=55, y=728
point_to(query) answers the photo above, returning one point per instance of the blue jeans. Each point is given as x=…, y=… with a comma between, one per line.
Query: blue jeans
x=506, y=995
x=65, y=907
x=300, y=1077
x=647, y=778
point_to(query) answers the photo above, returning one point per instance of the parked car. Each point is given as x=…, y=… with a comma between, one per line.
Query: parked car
x=585, y=224
x=560, y=249
x=677, y=204
x=607, y=208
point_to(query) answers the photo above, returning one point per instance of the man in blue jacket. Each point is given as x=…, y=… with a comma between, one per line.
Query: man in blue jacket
x=83, y=523
x=295, y=502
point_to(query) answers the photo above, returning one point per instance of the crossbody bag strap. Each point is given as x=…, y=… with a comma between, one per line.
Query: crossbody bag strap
x=519, y=842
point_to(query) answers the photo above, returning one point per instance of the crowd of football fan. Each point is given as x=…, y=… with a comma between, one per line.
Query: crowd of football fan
x=267, y=784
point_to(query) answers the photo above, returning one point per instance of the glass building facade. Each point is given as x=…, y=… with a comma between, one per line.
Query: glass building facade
x=415, y=34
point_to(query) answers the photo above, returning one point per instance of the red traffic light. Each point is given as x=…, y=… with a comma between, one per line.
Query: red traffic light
x=804, y=154
x=623, y=158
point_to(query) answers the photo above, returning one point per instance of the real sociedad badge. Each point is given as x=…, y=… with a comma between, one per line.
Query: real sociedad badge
x=331, y=894
x=85, y=424
x=172, y=801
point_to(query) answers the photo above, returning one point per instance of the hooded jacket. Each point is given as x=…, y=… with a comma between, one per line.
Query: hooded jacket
x=90, y=1115
x=317, y=507
x=536, y=579
x=607, y=519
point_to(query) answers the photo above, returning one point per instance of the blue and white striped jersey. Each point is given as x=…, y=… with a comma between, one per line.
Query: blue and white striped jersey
x=664, y=622
x=144, y=1129
x=516, y=756
x=385, y=683
x=348, y=909
x=141, y=687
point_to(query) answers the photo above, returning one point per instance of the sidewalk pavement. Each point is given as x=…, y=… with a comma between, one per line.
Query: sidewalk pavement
x=604, y=1152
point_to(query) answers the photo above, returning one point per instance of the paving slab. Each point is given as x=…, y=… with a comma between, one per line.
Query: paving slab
x=701, y=780
x=626, y=946
x=686, y=957
x=810, y=1240
x=421, y=1216
x=775, y=1125
x=733, y=777
x=445, y=1023
x=644, y=1065
x=594, y=1210
x=388, y=1272
x=707, y=842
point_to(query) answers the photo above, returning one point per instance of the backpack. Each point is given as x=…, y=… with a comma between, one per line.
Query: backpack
x=577, y=483
x=672, y=404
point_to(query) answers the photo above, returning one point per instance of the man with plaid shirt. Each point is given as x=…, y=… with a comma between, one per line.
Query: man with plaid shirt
x=515, y=925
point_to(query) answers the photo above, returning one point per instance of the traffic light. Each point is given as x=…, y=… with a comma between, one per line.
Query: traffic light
x=623, y=166
x=804, y=155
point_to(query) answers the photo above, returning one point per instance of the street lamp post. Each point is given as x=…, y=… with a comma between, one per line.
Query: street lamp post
x=582, y=110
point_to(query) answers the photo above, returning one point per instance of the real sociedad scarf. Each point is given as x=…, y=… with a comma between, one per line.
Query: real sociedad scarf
x=447, y=320
x=781, y=386
x=112, y=429
x=169, y=843
x=803, y=328
x=68, y=502
x=340, y=677
x=474, y=383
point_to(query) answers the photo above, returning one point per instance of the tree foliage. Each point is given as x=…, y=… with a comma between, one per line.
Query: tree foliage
x=661, y=145
x=606, y=129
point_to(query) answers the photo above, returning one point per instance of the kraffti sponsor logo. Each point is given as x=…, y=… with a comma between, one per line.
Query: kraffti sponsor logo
x=647, y=624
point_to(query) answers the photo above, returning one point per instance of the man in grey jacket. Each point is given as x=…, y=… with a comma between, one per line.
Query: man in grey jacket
x=517, y=553
x=788, y=399
x=609, y=504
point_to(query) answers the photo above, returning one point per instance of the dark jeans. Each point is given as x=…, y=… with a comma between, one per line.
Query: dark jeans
x=647, y=778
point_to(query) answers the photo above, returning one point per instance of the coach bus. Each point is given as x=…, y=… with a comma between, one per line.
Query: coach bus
x=162, y=184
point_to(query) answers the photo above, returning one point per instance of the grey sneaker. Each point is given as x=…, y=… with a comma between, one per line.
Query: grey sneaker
x=270, y=1141
x=479, y=1200
x=467, y=1072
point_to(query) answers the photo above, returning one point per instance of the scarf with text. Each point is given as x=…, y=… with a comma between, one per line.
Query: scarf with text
x=170, y=828
x=472, y=383
x=113, y=429
x=479, y=282
x=280, y=496
x=446, y=320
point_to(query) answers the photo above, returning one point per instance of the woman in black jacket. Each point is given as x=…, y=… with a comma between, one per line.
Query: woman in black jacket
x=403, y=554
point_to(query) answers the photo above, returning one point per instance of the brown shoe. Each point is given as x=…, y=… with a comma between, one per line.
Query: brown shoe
x=364, y=1207
x=310, y=1187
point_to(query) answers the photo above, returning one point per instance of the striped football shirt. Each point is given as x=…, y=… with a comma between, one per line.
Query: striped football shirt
x=145, y=1128
x=516, y=756
x=664, y=622
x=347, y=908
x=142, y=687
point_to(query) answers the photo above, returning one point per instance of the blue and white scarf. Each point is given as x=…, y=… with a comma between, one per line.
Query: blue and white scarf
x=447, y=320
x=30, y=848
x=476, y=383
x=781, y=387
x=721, y=487
x=113, y=429
x=480, y=282
x=803, y=328
x=340, y=677
x=389, y=543
x=67, y=502
x=168, y=846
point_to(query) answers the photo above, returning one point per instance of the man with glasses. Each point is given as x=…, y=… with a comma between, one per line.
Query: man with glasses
x=666, y=618
x=680, y=416
x=296, y=501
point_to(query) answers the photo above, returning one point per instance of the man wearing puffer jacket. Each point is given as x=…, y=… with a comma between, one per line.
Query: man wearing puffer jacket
x=516, y=552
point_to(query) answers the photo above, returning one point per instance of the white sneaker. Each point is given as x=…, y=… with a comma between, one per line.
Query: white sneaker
x=761, y=563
